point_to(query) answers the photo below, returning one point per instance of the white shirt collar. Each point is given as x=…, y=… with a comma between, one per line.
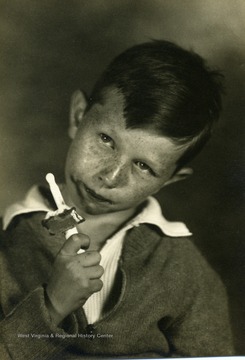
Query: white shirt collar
x=32, y=202
x=151, y=214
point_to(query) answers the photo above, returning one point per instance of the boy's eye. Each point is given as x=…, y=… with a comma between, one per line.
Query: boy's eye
x=106, y=139
x=145, y=167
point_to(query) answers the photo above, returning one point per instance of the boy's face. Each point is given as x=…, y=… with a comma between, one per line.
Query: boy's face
x=110, y=168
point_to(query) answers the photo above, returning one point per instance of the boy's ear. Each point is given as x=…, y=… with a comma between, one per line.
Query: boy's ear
x=182, y=174
x=77, y=108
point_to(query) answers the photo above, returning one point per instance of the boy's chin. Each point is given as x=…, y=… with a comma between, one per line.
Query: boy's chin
x=93, y=209
x=97, y=212
x=104, y=210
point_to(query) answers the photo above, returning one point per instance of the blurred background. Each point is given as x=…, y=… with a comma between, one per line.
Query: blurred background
x=50, y=48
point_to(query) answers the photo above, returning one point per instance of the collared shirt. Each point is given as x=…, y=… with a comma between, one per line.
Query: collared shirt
x=111, y=251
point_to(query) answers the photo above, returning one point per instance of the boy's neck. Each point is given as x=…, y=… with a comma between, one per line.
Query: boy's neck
x=101, y=227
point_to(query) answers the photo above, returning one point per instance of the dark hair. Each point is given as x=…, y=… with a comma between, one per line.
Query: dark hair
x=167, y=89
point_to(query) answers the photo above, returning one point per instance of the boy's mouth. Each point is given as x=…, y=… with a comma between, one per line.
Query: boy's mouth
x=92, y=194
x=96, y=196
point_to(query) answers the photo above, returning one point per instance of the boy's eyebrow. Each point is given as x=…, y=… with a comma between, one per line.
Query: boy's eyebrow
x=158, y=165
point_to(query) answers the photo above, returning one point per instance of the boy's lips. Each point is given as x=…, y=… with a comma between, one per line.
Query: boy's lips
x=80, y=186
x=95, y=195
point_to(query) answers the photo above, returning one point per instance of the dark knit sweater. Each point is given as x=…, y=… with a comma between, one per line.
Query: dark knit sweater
x=167, y=301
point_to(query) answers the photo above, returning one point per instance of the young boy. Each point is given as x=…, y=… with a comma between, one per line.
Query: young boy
x=141, y=288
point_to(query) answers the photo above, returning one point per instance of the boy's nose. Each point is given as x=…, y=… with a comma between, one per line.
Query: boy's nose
x=113, y=176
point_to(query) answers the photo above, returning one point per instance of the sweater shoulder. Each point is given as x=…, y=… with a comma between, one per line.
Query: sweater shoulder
x=26, y=235
x=191, y=263
x=179, y=253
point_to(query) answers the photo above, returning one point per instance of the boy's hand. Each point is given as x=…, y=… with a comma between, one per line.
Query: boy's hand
x=74, y=278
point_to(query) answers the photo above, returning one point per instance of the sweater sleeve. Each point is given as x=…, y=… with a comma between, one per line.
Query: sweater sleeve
x=203, y=328
x=28, y=330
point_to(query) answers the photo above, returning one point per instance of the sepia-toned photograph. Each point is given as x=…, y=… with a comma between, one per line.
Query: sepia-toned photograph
x=122, y=179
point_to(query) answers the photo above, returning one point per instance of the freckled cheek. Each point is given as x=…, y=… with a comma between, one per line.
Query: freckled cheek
x=138, y=192
x=89, y=157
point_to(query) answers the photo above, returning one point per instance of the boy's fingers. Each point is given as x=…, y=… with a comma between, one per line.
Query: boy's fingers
x=74, y=243
x=96, y=285
x=90, y=258
x=95, y=272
